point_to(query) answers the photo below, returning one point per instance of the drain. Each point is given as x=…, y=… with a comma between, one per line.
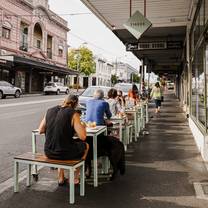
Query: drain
x=201, y=190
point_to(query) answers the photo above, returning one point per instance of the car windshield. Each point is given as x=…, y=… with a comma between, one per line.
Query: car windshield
x=123, y=88
x=90, y=91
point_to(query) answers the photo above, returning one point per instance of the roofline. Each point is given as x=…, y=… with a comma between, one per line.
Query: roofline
x=100, y=16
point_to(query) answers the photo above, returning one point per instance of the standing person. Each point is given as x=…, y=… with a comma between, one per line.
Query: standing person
x=59, y=125
x=109, y=146
x=121, y=99
x=156, y=94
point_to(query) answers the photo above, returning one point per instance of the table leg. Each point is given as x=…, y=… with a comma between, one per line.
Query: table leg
x=82, y=180
x=34, y=150
x=135, y=126
x=95, y=160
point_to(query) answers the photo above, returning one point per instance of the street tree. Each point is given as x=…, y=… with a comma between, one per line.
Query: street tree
x=81, y=60
x=114, y=79
x=135, y=78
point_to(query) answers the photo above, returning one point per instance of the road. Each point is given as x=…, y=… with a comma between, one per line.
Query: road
x=18, y=117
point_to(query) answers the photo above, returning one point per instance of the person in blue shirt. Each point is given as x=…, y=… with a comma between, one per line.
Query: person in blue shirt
x=97, y=109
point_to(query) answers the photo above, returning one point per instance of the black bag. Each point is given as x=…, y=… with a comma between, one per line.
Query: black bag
x=162, y=98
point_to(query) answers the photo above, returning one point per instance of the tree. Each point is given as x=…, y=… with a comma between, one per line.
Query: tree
x=82, y=60
x=135, y=78
x=114, y=79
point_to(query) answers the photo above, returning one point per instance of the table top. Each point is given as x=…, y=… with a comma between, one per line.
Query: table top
x=95, y=129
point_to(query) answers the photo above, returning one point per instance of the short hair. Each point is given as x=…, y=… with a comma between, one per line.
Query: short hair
x=99, y=94
x=112, y=93
x=71, y=100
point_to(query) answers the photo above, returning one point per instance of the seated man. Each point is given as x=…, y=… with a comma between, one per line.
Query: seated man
x=96, y=110
x=59, y=125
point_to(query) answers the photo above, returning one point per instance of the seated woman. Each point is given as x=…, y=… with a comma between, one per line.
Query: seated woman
x=133, y=96
x=59, y=125
x=115, y=107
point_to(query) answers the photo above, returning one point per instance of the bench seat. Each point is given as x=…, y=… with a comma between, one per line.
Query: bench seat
x=40, y=159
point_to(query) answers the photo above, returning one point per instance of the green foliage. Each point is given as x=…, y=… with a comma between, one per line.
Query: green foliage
x=135, y=78
x=114, y=79
x=82, y=60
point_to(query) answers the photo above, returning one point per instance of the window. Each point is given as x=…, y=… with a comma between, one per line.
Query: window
x=6, y=32
x=60, y=51
x=38, y=44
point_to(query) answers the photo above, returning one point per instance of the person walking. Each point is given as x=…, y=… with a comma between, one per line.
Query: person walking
x=156, y=94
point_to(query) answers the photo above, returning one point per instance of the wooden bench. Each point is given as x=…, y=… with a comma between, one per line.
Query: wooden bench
x=40, y=159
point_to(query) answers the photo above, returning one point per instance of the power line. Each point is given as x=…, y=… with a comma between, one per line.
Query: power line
x=44, y=15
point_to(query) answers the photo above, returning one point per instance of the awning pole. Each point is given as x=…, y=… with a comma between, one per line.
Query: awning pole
x=145, y=7
x=130, y=9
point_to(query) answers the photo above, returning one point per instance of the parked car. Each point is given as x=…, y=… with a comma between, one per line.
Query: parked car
x=8, y=89
x=55, y=87
x=89, y=92
x=125, y=87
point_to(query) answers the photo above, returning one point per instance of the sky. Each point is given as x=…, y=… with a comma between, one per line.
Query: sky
x=86, y=29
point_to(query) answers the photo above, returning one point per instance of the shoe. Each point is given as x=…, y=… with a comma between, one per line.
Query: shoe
x=64, y=182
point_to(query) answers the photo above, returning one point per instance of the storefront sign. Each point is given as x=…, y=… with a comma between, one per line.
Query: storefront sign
x=154, y=45
x=137, y=24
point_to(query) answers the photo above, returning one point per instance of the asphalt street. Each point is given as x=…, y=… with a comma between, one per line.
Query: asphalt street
x=18, y=117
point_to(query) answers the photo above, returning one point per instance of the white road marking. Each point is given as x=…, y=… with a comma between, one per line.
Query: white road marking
x=30, y=102
x=10, y=182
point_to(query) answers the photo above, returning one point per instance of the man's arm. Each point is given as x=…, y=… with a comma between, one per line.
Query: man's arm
x=79, y=128
x=42, y=127
x=107, y=111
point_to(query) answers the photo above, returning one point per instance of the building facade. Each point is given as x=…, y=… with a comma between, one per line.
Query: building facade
x=124, y=71
x=33, y=44
x=101, y=77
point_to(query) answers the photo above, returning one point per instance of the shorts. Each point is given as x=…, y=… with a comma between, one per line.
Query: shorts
x=157, y=103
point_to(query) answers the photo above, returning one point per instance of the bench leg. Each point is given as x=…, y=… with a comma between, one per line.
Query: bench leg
x=71, y=185
x=82, y=180
x=16, y=174
x=29, y=167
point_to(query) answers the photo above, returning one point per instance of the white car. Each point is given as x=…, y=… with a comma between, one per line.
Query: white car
x=8, y=89
x=55, y=87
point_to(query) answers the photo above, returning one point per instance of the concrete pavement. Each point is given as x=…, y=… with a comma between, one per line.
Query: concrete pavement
x=161, y=170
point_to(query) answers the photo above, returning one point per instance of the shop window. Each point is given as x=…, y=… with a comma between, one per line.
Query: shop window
x=6, y=32
x=194, y=93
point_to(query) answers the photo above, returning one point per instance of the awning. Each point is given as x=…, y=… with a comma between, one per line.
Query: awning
x=169, y=20
x=19, y=61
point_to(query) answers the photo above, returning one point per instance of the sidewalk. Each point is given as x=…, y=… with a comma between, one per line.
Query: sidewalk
x=161, y=170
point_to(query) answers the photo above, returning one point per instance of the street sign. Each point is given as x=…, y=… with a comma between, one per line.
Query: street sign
x=137, y=24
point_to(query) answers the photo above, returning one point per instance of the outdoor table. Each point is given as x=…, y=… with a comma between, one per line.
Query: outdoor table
x=93, y=132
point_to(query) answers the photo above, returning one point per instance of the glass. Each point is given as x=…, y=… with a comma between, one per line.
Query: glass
x=201, y=111
x=194, y=94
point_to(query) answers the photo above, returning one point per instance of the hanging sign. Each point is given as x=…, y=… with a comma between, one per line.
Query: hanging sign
x=137, y=24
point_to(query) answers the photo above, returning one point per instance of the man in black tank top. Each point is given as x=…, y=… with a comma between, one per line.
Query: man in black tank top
x=59, y=125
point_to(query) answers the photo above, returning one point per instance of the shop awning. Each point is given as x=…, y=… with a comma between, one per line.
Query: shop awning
x=37, y=64
x=162, y=45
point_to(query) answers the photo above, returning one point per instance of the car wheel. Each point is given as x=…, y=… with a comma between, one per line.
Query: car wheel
x=67, y=91
x=58, y=92
x=17, y=94
x=1, y=95
x=45, y=93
